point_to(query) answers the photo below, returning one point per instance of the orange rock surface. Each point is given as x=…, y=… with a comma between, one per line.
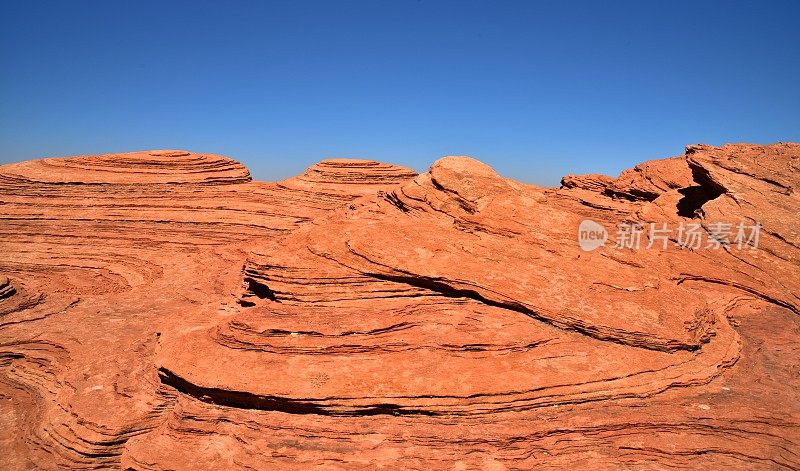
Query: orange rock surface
x=162, y=310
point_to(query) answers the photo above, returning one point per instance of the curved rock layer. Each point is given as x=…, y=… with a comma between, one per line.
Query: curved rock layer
x=160, y=310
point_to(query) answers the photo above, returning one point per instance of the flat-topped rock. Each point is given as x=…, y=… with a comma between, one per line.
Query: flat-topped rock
x=349, y=176
x=131, y=168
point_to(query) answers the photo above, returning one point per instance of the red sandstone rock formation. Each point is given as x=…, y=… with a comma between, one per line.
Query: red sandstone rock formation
x=161, y=310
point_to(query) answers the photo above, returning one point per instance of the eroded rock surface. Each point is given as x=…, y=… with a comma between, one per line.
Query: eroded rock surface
x=161, y=310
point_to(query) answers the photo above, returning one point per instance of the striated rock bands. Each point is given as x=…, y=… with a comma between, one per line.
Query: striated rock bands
x=161, y=310
x=164, y=166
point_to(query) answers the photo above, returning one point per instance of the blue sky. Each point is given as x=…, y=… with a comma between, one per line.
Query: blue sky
x=536, y=89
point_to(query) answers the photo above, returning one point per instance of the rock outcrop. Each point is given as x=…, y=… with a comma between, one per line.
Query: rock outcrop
x=161, y=310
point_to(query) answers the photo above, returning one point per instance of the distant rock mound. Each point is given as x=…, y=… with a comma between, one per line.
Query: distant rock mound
x=348, y=176
x=132, y=168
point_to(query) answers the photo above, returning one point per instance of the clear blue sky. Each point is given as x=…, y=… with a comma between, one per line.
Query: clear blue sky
x=536, y=89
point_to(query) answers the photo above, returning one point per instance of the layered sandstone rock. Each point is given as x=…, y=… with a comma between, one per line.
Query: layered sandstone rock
x=160, y=310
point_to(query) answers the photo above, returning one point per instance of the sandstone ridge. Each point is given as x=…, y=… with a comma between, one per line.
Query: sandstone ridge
x=162, y=310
